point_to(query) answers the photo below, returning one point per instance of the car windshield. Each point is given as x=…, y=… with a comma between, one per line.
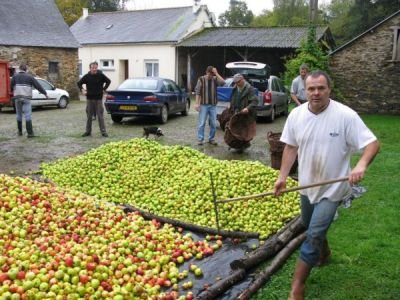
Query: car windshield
x=140, y=84
x=45, y=84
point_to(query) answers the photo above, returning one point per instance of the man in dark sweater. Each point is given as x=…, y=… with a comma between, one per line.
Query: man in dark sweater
x=96, y=83
x=21, y=86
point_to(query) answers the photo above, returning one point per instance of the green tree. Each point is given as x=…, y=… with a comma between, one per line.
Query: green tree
x=285, y=13
x=237, y=15
x=349, y=18
x=71, y=10
x=106, y=5
x=309, y=53
x=336, y=15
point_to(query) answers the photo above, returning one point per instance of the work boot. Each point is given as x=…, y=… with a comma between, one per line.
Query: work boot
x=325, y=254
x=19, y=128
x=29, y=129
x=299, y=280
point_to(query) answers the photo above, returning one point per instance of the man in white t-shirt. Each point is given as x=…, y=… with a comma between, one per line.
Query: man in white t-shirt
x=324, y=134
x=297, y=90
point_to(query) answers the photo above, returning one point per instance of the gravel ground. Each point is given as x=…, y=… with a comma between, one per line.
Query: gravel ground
x=59, y=135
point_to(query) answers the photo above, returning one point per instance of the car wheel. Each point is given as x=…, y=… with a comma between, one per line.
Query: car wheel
x=116, y=119
x=187, y=107
x=63, y=102
x=271, y=118
x=164, y=114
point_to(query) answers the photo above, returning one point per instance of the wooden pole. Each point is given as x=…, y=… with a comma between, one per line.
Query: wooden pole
x=284, y=190
x=215, y=203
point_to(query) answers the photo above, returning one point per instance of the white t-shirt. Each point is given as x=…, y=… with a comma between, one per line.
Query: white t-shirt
x=298, y=88
x=325, y=143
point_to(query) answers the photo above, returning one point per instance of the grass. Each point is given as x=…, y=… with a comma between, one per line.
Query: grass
x=365, y=240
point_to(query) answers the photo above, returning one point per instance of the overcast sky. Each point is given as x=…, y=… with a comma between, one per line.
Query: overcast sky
x=216, y=6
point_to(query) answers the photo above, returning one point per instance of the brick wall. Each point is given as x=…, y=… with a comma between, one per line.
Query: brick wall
x=364, y=73
x=38, y=60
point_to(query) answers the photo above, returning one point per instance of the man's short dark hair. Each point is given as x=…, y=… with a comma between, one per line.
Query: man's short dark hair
x=23, y=67
x=317, y=73
x=304, y=67
x=93, y=63
x=209, y=69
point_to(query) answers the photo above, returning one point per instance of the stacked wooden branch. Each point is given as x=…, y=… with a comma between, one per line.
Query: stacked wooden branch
x=193, y=227
x=280, y=246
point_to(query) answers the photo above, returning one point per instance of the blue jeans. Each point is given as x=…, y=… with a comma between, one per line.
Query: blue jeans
x=317, y=218
x=211, y=112
x=23, y=106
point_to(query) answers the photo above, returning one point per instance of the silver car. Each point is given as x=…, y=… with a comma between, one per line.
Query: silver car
x=274, y=100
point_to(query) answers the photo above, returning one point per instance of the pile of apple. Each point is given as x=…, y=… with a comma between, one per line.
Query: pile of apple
x=58, y=244
x=175, y=182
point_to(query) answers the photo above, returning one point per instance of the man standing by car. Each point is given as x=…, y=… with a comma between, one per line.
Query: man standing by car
x=96, y=83
x=297, y=90
x=21, y=86
x=206, y=101
x=324, y=133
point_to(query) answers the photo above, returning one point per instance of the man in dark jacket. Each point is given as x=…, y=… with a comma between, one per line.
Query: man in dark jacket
x=21, y=86
x=96, y=83
x=244, y=101
x=243, y=97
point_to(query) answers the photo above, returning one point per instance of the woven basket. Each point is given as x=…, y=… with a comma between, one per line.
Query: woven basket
x=275, y=144
x=276, y=161
x=242, y=126
x=224, y=118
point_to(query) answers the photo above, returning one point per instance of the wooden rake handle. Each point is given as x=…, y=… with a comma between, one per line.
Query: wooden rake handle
x=296, y=188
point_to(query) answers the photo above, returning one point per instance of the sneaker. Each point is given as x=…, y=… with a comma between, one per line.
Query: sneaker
x=104, y=134
x=86, y=134
x=212, y=142
x=200, y=143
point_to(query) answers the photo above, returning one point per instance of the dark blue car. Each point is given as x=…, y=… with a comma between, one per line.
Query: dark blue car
x=147, y=96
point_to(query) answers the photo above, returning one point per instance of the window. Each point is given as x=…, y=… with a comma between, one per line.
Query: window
x=396, y=43
x=107, y=64
x=80, y=69
x=151, y=68
x=53, y=70
x=53, y=67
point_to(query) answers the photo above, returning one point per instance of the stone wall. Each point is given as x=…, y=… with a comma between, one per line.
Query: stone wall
x=38, y=59
x=365, y=74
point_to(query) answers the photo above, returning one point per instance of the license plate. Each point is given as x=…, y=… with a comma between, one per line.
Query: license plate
x=128, y=107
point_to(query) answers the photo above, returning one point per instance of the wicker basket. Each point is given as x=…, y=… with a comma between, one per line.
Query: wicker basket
x=276, y=150
x=276, y=161
x=275, y=144
x=239, y=131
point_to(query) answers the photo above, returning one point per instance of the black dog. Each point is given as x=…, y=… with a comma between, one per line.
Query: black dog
x=152, y=130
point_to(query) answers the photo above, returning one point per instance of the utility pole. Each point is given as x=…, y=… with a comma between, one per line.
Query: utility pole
x=312, y=25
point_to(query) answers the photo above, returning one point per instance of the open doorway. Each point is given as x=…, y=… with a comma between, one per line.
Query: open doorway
x=123, y=70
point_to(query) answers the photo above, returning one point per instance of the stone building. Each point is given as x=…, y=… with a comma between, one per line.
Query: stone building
x=34, y=32
x=366, y=70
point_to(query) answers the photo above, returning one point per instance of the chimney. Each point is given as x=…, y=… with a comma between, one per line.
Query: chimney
x=85, y=13
x=196, y=5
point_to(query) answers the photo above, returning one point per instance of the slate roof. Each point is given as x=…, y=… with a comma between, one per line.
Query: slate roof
x=166, y=25
x=264, y=37
x=34, y=23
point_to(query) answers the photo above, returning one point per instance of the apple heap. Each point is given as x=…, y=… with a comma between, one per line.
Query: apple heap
x=58, y=244
x=174, y=181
